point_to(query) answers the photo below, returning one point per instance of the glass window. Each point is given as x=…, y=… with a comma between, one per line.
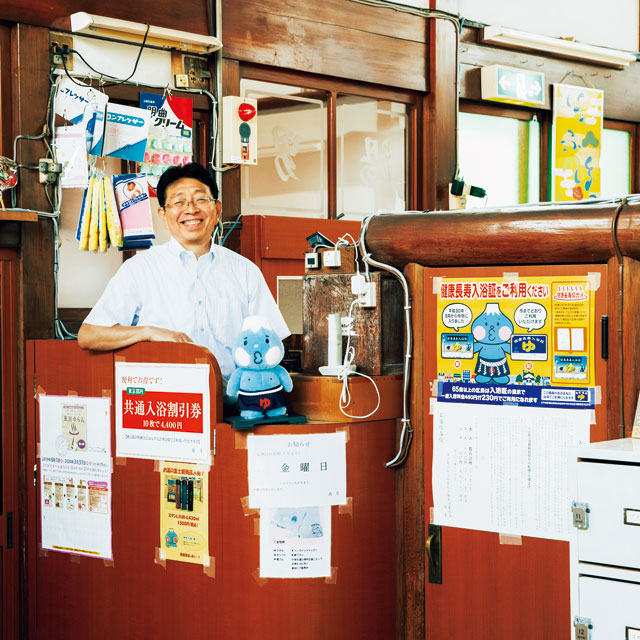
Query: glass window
x=290, y=177
x=501, y=155
x=615, y=163
x=371, y=156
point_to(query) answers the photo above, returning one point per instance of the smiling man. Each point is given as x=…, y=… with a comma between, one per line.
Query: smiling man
x=187, y=290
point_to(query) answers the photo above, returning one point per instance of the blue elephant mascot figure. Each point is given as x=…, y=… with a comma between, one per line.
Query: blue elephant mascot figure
x=492, y=332
x=259, y=382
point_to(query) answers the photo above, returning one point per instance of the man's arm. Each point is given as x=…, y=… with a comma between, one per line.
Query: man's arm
x=98, y=338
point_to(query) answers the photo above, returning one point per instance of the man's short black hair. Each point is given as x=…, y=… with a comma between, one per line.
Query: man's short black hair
x=192, y=170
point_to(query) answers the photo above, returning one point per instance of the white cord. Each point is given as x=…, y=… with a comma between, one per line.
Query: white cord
x=345, y=372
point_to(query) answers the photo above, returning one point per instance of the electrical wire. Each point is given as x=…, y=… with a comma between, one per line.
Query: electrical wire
x=106, y=75
x=346, y=371
x=233, y=226
x=406, y=434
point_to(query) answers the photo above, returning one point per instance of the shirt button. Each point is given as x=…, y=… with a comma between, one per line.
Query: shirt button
x=199, y=301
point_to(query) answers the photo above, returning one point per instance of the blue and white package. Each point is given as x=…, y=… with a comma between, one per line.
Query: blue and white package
x=125, y=132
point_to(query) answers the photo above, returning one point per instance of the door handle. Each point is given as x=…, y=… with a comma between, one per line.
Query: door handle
x=434, y=553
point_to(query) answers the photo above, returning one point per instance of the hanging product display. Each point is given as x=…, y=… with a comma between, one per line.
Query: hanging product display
x=99, y=223
x=132, y=198
x=8, y=176
x=170, y=134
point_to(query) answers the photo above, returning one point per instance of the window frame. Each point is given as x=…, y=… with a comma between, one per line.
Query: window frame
x=333, y=87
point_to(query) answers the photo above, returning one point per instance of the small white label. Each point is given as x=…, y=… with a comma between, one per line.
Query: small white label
x=633, y=634
x=632, y=516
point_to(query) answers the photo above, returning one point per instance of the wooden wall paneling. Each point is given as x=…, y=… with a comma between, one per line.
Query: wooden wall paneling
x=631, y=341
x=410, y=483
x=332, y=163
x=621, y=86
x=334, y=38
x=6, y=138
x=441, y=125
x=191, y=16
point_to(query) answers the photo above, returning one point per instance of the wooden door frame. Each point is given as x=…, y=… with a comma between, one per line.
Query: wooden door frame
x=12, y=491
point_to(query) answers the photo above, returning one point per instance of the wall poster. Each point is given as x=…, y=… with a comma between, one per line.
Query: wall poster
x=184, y=512
x=517, y=340
x=75, y=474
x=162, y=411
x=576, y=140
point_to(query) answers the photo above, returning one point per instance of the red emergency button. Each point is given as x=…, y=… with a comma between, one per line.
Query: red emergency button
x=246, y=111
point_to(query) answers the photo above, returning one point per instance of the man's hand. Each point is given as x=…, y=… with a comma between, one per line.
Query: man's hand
x=156, y=334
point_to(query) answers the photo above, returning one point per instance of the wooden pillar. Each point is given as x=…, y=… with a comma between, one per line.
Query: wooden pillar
x=440, y=106
x=35, y=308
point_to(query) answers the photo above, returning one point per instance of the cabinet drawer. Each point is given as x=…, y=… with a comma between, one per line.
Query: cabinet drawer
x=612, y=491
x=612, y=607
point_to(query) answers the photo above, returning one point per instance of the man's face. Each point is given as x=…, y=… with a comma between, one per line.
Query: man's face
x=193, y=224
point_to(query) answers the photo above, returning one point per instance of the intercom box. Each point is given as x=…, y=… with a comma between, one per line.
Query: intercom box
x=379, y=331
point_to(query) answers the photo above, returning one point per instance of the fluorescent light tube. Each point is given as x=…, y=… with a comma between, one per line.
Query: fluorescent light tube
x=557, y=46
x=128, y=31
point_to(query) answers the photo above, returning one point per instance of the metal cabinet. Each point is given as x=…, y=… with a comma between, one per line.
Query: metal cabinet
x=605, y=549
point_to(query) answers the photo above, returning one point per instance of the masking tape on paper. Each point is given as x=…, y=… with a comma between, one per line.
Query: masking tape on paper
x=40, y=392
x=212, y=459
x=75, y=558
x=256, y=576
x=432, y=515
x=436, y=284
x=157, y=465
x=37, y=449
x=593, y=278
x=248, y=511
x=119, y=358
x=121, y=462
x=106, y=393
x=515, y=541
x=43, y=553
x=256, y=526
x=241, y=440
x=161, y=557
x=333, y=578
x=72, y=392
x=347, y=431
x=433, y=403
x=510, y=275
x=111, y=465
x=598, y=395
x=108, y=562
x=202, y=361
x=346, y=508
x=592, y=416
x=209, y=566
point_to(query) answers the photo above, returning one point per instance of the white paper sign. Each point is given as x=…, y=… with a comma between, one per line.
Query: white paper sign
x=297, y=470
x=75, y=475
x=295, y=542
x=505, y=469
x=163, y=412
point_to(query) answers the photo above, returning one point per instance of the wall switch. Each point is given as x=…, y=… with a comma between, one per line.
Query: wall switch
x=331, y=258
x=311, y=260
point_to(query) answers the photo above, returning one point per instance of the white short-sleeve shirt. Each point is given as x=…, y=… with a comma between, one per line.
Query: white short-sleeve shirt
x=206, y=298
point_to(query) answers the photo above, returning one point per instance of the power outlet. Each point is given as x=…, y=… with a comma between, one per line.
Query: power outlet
x=56, y=43
x=194, y=70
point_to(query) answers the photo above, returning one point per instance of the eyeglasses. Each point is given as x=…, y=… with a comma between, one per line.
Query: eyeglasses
x=198, y=203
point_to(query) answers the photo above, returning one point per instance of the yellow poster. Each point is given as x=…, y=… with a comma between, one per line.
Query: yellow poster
x=577, y=137
x=184, y=512
x=526, y=341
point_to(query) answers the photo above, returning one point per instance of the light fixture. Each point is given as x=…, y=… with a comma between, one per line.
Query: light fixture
x=517, y=39
x=127, y=31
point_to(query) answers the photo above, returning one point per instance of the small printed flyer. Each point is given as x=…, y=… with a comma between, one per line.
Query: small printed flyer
x=75, y=474
x=295, y=542
x=297, y=470
x=162, y=412
x=184, y=512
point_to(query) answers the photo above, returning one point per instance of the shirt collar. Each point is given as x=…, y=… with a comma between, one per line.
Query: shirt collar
x=177, y=249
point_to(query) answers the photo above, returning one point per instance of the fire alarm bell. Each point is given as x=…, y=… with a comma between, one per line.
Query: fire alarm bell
x=239, y=130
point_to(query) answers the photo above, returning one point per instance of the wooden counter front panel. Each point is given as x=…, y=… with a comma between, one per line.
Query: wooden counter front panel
x=75, y=597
